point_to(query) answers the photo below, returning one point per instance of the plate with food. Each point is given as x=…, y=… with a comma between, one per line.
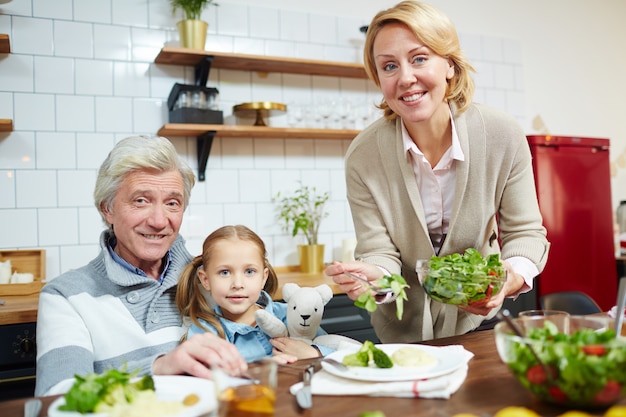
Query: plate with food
x=397, y=362
x=129, y=396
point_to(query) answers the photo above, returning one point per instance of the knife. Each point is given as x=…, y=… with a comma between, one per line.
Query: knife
x=621, y=302
x=303, y=396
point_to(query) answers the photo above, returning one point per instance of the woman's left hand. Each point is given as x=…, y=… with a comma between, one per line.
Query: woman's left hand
x=512, y=284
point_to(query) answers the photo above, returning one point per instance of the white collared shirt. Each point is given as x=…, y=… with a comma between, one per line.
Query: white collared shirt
x=437, y=188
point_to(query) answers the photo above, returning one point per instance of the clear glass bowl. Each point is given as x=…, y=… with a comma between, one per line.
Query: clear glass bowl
x=587, y=372
x=459, y=288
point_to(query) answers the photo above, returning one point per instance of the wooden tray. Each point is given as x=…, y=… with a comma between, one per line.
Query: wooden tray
x=22, y=261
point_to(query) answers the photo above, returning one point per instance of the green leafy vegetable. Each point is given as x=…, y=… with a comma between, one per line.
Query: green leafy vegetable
x=366, y=354
x=100, y=392
x=463, y=279
x=587, y=366
x=397, y=283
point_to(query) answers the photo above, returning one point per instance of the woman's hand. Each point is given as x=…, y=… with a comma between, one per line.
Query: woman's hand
x=195, y=356
x=296, y=348
x=352, y=287
x=512, y=284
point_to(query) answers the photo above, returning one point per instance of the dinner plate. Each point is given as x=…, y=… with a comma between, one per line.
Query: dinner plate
x=448, y=360
x=167, y=388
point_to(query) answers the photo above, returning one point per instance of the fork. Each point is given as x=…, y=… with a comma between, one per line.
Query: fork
x=380, y=292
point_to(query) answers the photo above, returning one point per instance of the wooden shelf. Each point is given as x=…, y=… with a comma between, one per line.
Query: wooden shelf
x=204, y=61
x=6, y=125
x=236, y=131
x=5, y=44
x=262, y=63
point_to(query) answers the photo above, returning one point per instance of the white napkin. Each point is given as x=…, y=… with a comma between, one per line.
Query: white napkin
x=324, y=383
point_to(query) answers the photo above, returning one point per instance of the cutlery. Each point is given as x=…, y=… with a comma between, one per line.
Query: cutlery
x=304, y=395
x=32, y=408
x=505, y=315
x=377, y=290
x=621, y=302
x=335, y=363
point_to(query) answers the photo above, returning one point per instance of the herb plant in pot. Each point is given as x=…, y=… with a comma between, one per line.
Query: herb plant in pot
x=191, y=29
x=302, y=212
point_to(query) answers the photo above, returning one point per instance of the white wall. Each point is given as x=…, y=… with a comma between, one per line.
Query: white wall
x=81, y=76
x=573, y=52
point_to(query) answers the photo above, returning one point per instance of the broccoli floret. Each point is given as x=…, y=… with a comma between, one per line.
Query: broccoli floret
x=356, y=359
x=381, y=359
x=366, y=354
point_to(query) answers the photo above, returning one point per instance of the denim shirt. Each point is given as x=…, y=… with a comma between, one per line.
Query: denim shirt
x=252, y=342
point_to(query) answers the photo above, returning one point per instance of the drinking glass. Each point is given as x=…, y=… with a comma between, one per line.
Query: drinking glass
x=537, y=318
x=254, y=396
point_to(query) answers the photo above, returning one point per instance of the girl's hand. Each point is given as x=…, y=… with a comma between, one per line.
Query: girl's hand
x=297, y=348
x=349, y=285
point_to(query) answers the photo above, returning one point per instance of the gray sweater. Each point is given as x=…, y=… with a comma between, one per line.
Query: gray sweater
x=103, y=316
x=495, y=196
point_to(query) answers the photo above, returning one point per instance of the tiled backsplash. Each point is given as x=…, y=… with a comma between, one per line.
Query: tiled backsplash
x=81, y=75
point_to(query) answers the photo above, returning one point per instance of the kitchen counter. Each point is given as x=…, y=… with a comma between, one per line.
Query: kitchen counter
x=23, y=308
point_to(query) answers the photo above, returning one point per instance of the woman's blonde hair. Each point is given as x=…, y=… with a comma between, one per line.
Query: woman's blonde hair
x=435, y=31
x=190, y=299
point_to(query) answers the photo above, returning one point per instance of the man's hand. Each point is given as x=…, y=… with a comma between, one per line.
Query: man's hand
x=195, y=356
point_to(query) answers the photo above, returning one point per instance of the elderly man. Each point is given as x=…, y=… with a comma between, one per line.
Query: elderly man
x=119, y=310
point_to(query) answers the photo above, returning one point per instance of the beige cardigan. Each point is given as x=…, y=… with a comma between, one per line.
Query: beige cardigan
x=495, y=182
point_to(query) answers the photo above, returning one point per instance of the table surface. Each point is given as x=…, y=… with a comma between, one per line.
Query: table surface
x=488, y=388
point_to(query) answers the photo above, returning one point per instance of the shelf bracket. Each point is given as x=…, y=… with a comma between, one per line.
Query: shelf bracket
x=203, y=144
x=203, y=68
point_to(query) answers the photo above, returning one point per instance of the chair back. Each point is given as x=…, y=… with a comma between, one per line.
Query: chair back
x=574, y=302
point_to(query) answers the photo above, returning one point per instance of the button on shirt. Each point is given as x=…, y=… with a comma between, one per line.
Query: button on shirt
x=437, y=188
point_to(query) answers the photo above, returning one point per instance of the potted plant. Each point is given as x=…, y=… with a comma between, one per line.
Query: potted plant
x=302, y=212
x=191, y=29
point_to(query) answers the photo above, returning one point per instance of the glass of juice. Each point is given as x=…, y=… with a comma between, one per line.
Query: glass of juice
x=253, y=396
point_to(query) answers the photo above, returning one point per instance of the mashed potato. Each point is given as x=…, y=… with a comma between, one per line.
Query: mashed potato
x=413, y=356
x=147, y=405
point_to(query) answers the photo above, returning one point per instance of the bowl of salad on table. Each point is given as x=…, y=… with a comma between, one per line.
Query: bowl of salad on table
x=584, y=361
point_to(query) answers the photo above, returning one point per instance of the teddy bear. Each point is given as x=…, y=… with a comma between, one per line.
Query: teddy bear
x=305, y=307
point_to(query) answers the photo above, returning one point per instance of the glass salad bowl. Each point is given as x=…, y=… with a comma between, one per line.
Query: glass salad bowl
x=584, y=361
x=462, y=279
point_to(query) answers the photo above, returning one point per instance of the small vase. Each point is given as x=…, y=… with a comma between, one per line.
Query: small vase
x=192, y=33
x=311, y=258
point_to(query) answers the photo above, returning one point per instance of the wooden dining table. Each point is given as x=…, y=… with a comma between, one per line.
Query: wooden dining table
x=488, y=388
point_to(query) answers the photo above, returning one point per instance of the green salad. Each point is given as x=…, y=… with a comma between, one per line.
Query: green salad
x=463, y=279
x=588, y=366
x=398, y=285
x=94, y=393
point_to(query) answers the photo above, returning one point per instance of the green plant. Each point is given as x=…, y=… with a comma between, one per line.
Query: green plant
x=191, y=8
x=302, y=212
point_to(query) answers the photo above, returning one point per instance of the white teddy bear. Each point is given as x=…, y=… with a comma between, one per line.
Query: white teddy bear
x=305, y=307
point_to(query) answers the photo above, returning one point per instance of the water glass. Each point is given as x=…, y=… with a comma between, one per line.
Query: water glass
x=536, y=319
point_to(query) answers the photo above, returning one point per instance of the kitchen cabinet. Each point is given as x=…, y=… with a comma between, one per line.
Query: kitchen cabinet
x=203, y=61
x=6, y=125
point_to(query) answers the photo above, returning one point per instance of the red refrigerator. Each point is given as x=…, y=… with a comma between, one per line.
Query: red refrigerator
x=572, y=176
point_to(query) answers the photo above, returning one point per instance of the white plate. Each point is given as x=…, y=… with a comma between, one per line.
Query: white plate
x=168, y=388
x=448, y=360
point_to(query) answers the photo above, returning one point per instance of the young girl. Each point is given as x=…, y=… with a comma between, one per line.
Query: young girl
x=235, y=272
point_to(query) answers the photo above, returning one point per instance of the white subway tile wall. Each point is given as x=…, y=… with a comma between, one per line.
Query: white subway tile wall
x=81, y=76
